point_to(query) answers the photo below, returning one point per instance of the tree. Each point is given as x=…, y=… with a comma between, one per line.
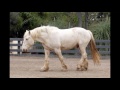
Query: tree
x=15, y=24
x=79, y=19
x=86, y=20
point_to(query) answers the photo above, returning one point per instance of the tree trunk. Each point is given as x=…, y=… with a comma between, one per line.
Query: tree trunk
x=86, y=20
x=79, y=19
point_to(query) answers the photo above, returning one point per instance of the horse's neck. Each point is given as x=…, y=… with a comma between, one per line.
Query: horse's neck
x=34, y=34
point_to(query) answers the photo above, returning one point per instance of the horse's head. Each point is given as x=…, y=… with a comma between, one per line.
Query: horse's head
x=27, y=41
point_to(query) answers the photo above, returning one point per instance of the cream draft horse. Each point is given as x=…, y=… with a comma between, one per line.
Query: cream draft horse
x=53, y=38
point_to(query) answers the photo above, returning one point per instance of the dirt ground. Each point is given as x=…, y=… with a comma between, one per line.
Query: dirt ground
x=29, y=67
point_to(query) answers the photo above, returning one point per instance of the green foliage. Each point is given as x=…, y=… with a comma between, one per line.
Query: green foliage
x=101, y=30
x=30, y=20
x=73, y=19
x=15, y=21
x=60, y=19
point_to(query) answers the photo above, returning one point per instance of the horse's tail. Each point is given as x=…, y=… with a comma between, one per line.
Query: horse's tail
x=94, y=51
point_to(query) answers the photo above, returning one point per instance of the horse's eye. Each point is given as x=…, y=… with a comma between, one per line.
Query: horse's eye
x=26, y=39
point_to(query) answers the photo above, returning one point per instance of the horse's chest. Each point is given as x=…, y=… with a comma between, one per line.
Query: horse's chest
x=47, y=46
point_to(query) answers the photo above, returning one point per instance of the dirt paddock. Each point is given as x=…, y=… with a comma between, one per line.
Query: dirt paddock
x=29, y=67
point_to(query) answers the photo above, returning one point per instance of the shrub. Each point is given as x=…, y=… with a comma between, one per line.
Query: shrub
x=101, y=30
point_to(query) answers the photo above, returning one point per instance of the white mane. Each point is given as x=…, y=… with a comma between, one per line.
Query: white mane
x=47, y=27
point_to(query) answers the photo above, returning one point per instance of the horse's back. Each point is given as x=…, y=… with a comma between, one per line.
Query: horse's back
x=69, y=37
x=65, y=38
x=82, y=32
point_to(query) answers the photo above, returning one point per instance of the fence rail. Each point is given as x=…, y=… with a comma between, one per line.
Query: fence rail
x=103, y=47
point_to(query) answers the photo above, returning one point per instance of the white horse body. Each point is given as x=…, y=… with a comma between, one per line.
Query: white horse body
x=53, y=38
x=63, y=38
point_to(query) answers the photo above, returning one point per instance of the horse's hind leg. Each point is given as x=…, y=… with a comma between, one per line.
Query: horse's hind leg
x=83, y=63
x=59, y=54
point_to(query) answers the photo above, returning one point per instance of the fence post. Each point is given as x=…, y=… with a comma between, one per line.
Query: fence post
x=19, y=47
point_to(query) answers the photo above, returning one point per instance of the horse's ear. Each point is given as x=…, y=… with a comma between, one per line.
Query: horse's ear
x=26, y=30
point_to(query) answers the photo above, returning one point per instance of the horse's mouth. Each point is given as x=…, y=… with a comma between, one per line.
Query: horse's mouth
x=24, y=50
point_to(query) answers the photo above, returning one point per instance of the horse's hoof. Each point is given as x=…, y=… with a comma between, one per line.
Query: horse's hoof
x=64, y=66
x=44, y=69
x=82, y=68
x=77, y=69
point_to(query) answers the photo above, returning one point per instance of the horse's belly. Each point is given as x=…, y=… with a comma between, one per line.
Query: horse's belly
x=68, y=41
x=68, y=45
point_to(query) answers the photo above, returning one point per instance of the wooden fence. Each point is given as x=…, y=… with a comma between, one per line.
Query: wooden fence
x=103, y=47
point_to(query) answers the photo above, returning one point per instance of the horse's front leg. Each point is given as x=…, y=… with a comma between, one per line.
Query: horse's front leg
x=46, y=62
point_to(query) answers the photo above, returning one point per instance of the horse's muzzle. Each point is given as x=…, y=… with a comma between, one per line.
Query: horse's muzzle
x=24, y=50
